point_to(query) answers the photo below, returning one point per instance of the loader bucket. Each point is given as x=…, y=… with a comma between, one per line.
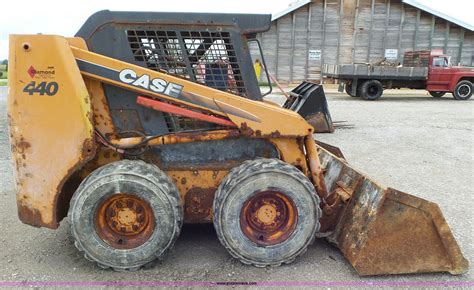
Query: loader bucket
x=308, y=100
x=383, y=230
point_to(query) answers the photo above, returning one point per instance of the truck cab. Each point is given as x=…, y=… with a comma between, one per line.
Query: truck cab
x=443, y=77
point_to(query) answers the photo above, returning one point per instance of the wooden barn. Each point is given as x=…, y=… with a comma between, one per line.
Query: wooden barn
x=310, y=34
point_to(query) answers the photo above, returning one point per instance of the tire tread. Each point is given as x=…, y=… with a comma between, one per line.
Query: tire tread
x=138, y=168
x=248, y=168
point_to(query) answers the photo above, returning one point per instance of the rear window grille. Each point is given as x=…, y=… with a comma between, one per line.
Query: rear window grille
x=177, y=123
x=203, y=57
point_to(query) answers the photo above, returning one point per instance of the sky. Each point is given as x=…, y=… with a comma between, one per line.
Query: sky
x=65, y=17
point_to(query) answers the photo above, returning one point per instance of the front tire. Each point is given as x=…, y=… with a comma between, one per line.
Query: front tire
x=266, y=212
x=463, y=90
x=371, y=90
x=437, y=94
x=125, y=215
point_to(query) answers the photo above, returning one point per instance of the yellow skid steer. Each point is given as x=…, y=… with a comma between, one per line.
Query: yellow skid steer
x=143, y=121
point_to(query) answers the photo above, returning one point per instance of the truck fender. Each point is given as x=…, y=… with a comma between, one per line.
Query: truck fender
x=455, y=80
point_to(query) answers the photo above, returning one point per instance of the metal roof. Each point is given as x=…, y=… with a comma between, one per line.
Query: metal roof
x=292, y=7
x=296, y=5
x=438, y=13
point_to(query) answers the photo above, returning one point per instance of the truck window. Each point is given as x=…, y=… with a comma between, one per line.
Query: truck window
x=440, y=62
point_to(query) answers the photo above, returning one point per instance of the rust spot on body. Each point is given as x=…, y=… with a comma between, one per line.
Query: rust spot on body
x=198, y=205
x=275, y=134
x=21, y=145
x=88, y=148
x=246, y=130
x=30, y=216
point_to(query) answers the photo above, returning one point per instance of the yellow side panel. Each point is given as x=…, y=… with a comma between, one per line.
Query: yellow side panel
x=50, y=123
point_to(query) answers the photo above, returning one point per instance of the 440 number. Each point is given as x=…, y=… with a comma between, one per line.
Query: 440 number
x=48, y=88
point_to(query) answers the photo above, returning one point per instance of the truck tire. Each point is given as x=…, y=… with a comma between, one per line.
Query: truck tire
x=349, y=90
x=125, y=215
x=437, y=94
x=371, y=90
x=463, y=90
x=266, y=212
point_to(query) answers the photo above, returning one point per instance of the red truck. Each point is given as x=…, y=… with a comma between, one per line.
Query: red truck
x=427, y=70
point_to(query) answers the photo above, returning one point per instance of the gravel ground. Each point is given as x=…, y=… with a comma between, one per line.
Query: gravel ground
x=411, y=142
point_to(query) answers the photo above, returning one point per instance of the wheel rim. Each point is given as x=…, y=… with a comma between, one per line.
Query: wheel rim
x=373, y=91
x=268, y=218
x=464, y=90
x=124, y=221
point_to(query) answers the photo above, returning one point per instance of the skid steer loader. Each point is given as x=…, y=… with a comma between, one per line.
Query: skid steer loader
x=144, y=121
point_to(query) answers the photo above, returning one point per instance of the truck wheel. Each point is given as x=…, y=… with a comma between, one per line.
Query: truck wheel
x=125, y=215
x=349, y=90
x=371, y=90
x=437, y=94
x=463, y=90
x=266, y=212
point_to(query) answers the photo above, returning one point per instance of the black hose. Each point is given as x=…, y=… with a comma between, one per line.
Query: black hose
x=127, y=150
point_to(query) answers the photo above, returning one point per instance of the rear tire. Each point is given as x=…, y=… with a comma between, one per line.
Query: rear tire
x=125, y=215
x=463, y=90
x=266, y=212
x=437, y=94
x=348, y=89
x=371, y=90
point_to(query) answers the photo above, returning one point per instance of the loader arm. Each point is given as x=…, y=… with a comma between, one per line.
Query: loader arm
x=255, y=117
